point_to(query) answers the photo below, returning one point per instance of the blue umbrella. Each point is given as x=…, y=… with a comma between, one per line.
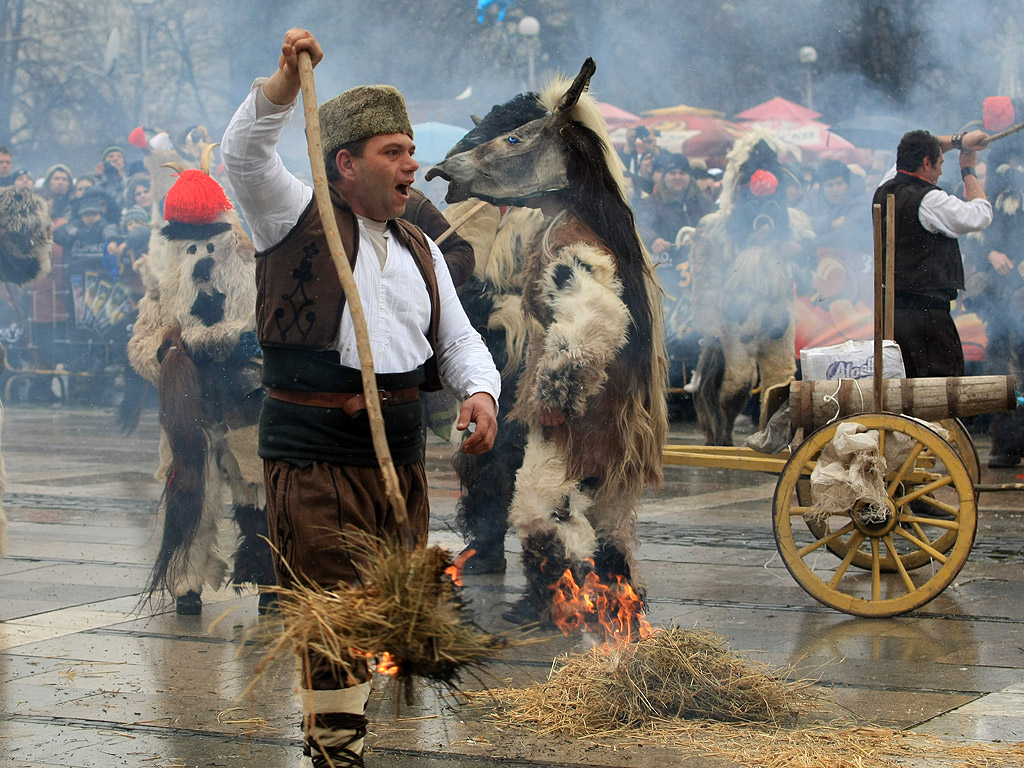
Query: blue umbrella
x=433, y=140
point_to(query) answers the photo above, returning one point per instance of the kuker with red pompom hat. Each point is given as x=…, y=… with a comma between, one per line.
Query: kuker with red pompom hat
x=763, y=183
x=998, y=113
x=196, y=208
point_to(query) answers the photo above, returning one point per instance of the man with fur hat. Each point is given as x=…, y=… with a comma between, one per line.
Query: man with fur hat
x=928, y=268
x=321, y=472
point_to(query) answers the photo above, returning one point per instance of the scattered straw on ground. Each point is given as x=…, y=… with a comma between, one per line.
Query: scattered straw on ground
x=407, y=607
x=683, y=689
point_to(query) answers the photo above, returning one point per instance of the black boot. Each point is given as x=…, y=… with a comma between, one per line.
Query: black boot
x=485, y=559
x=189, y=604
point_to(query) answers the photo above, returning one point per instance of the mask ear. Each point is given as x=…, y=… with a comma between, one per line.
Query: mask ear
x=579, y=85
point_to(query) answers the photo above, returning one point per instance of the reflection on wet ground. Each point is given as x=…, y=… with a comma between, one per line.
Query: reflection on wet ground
x=88, y=677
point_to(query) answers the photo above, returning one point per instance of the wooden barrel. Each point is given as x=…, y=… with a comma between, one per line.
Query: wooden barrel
x=816, y=403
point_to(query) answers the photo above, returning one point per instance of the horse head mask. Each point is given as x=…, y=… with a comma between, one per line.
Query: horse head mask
x=520, y=164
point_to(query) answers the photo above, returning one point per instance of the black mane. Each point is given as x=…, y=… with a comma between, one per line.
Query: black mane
x=595, y=198
x=502, y=118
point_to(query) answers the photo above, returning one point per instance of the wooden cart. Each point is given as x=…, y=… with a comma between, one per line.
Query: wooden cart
x=866, y=561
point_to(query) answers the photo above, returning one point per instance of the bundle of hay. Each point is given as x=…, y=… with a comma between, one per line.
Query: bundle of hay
x=407, y=609
x=686, y=691
x=674, y=674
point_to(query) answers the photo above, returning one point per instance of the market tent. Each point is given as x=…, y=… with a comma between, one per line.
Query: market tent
x=616, y=117
x=682, y=109
x=778, y=109
x=433, y=140
x=809, y=135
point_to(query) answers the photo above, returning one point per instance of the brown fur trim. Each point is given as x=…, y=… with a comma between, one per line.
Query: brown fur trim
x=181, y=418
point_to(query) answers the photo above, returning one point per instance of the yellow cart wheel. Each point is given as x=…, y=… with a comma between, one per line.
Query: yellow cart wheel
x=960, y=440
x=929, y=496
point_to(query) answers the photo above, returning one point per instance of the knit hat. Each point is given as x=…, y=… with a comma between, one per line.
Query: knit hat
x=94, y=200
x=362, y=112
x=672, y=161
x=110, y=149
x=193, y=207
x=135, y=213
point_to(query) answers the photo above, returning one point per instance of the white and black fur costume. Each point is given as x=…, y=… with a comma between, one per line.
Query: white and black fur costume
x=595, y=352
x=206, y=288
x=26, y=242
x=743, y=261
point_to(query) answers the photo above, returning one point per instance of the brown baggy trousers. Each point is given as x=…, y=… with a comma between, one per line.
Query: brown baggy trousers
x=308, y=507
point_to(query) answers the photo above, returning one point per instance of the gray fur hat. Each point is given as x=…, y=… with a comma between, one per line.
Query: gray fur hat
x=361, y=112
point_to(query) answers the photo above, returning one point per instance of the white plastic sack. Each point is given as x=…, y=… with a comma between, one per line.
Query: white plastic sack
x=851, y=360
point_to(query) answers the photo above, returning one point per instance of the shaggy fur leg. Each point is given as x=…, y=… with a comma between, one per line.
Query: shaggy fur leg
x=544, y=563
x=488, y=483
x=253, y=561
x=709, y=375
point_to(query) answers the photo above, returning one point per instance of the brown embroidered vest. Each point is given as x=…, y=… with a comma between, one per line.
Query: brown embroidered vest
x=299, y=295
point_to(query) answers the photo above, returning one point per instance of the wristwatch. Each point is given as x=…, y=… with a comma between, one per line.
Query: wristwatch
x=968, y=171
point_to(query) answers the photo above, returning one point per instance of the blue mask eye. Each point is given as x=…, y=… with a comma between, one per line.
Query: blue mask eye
x=513, y=140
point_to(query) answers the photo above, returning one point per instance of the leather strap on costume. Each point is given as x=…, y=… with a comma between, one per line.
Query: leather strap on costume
x=352, y=403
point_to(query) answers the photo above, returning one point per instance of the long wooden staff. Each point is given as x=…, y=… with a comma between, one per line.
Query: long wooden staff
x=459, y=222
x=348, y=284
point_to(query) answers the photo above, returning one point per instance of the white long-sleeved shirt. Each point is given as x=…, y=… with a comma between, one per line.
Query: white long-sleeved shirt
x=394, y=296
x=945, y=214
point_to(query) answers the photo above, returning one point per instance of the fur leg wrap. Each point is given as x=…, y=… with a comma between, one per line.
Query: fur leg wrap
x=488, y=484
x=254, y=563
x=544, y=563
x=547, y=503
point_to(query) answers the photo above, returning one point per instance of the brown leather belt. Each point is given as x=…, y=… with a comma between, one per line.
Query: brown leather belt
x=352, y=403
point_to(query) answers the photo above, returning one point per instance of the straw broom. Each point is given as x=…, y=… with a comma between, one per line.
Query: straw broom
x=407, y=606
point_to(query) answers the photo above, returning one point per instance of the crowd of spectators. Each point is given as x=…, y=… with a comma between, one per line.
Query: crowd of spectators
x=70, y=327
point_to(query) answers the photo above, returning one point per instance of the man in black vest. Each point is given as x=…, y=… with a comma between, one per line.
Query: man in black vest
x=928, y=268
x=322, y=475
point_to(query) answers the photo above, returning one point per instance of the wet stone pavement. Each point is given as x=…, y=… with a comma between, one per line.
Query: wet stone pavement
x=89, y=677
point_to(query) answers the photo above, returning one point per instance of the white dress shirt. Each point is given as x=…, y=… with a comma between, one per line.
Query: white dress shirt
x=394, y=296
x=945, y=214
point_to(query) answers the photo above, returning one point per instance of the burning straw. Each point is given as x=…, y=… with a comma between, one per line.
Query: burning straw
x=672, y=674
x=686, y=691
x=407, y=611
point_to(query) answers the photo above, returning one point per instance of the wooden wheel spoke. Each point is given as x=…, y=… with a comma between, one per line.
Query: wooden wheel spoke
x=897, y=478
x=854, y=543
x=904, y=576
x=876, y=571
x=949, y=525
x=922, y=545
x=925, y=490
x=798, y=511
x=804, y=551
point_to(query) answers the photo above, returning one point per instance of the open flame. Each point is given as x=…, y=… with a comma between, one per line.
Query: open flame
x=613, y=612
x=455, y=569
x=387, y=665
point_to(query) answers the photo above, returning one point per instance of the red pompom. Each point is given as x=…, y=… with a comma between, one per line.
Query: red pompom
x=998, y=113
x=763, y=183
x=195, y=198
x=137, y=138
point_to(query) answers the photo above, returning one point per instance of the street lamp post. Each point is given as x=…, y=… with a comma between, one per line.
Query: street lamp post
x=144, y=16
x=529, y=29
x=808, y=56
